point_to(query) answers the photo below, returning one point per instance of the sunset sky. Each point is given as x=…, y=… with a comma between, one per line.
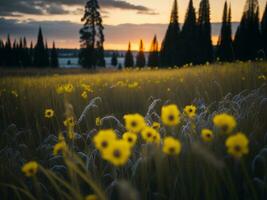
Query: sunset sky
x=124, y=20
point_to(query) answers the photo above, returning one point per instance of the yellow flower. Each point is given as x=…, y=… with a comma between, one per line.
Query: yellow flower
x=60, y=89
x=190, y=111
x=98, y=121
x=150, y=135
x=84, y=95
x=156, y=125
x=60, y=147
x=91, y=197
x=103, y=139
x=171, y=146
x=118, y=152
x=225, y=122
x=30, y=168
x=49, y=113
x=170, y=115
x=68, y=88
x=237, y=145
x=134, y=123
x=69, y=122
x=130, y=138
x=86, y=87
x=207, y=135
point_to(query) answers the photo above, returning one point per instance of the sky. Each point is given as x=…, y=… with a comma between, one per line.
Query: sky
x=124, y=20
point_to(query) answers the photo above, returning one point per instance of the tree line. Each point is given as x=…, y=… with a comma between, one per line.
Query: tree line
x=19, y=54
x=193, y=44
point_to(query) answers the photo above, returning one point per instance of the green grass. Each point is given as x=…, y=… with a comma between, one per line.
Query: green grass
x=201, y=171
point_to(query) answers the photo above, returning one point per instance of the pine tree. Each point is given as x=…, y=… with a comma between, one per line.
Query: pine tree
x=31, y=55
x=153, y=57
x=1, y=52
x=46, y=56
x=26, y=61
x=169, y=48
x=129, y=61
x=188, y=37
x=140, y=58
x=264, y=31
x=225, y=50
x=92, y=37
x=205, y=48
x=8, y=53
x=40, y=55
x=114, y=59
x=54, y=57
x=247, y=37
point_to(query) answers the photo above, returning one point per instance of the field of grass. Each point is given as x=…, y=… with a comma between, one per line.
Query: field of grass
x=99, y=101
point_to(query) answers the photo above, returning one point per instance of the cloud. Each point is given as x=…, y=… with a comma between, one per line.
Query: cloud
x=37, y=7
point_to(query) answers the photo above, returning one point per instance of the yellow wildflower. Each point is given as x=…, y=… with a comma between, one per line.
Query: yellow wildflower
x=190, y=111
x=171, y=146
x=225, y=122
x=30, y=168
x=207, y=135
x=150, y=135
x=69, y=122
x=61, y=137
x=156, y=125
x=68, y=88
x=86, y=87
x=237, y=145
x=84, y=95
x=118, y=152
x=60, y=89
x=49, y=113
x=98, y=121
x=130, y=138
x=170, y=115
x=134, y=122
x=60, y=147
x=103, y=139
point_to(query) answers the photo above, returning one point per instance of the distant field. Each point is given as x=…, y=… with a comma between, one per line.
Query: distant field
x=203, y=171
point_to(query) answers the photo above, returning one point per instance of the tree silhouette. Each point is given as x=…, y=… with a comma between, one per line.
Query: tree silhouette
x=188, y=37
x=247, y=37
x=153, y=58
x=264, y=31
x=140, y=58
x=114, y=59
x=54, y=57
x=205, y=48
x=169, y=48
x=1, y=52
x=40, y=56
x=129, y=61
x=8, y=53
x=92, y=37
x=225, y=51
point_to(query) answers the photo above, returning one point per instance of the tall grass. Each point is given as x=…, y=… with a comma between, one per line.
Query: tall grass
x=202, y=171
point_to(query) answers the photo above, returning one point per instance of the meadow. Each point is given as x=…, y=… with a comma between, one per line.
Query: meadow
x=52, y=124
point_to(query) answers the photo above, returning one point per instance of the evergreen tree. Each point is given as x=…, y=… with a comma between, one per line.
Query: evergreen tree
x=205, y=48
x=8, y=53
x=1, y=52
x=40, y=55
x=47, y=61
x=169, y=48
x=114, y=59
x=140, y=58
x=54, y=57
x=129, y=61
x=188, y=38
x=31, y=55
x=26, y=61
x=264, y=31
x=153, y=58
x=225, y=50
x=247, y=38
x=92, y=37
